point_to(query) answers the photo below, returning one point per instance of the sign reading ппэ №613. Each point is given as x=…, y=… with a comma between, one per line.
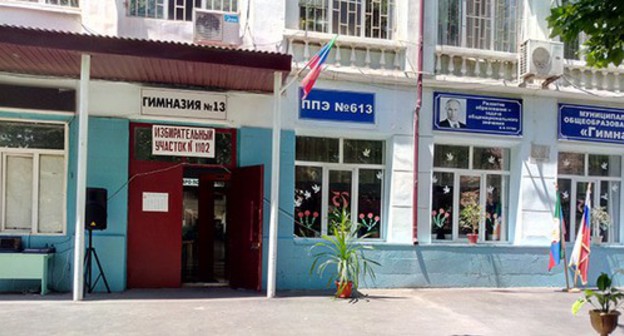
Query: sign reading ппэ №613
x=192, y=104
x=334, y=105
x=183, y=141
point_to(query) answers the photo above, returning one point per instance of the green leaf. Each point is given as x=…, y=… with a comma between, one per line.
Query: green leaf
x=578, y=304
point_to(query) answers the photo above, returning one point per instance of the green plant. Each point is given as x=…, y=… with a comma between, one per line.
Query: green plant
x=471, y=214
x=343, y=250
x=605, y=299
x=600, y=218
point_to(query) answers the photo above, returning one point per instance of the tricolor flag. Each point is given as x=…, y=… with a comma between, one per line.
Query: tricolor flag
x=315, y=64
x=579, y=261
x=556, y=247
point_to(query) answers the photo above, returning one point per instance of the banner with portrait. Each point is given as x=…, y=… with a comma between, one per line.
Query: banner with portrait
x=477, y=114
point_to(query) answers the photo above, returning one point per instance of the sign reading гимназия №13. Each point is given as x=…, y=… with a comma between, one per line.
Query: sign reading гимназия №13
x=477, y=114
x=332, y=105
x=588, y=123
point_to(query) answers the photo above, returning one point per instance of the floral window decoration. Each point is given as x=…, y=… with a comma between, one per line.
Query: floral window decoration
x=336, y=174
x=462, y=173
x=576, y=171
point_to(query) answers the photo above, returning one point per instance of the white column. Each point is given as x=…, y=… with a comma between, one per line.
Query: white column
x=275, y=176
x=81, y=176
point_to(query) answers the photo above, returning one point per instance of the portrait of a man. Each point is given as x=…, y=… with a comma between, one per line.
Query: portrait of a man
x=454, y=112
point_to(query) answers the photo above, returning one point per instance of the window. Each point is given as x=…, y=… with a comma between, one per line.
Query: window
x=575, y=172
x=366, y=18
x=180, y=10
x=462, y=173
x=332, y=174
x=61, y=3
x=478, y=24
x=32, y=171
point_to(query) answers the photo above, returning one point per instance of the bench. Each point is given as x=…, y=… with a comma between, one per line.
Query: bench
x=24, y=266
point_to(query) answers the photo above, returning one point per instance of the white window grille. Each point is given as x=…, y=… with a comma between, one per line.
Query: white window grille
x=33, y=161
x=179, y=10
x=365, y=18
x=478, y=24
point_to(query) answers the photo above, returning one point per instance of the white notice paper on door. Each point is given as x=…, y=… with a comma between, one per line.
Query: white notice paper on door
x=155, y=202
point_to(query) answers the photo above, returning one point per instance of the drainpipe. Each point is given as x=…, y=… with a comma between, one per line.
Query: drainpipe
x=81, y=176
x=419, y=68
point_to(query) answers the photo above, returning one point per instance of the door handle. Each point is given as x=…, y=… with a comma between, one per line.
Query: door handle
x=256, y=246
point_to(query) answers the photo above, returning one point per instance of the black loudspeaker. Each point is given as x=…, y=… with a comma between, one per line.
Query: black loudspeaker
x=95, y=209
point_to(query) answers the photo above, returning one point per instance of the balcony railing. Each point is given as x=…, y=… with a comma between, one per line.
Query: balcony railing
x=476, y=63
x=577, y=74
x=55, y=3
x=376, y=55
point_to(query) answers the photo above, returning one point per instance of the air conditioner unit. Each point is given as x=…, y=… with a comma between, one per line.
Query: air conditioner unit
x=540, y=59
x=216, y=28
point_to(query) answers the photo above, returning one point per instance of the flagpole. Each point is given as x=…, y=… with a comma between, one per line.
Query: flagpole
x=563, y=242
x=565, y=259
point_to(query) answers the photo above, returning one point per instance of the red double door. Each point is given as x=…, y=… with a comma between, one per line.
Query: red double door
x=155, y=237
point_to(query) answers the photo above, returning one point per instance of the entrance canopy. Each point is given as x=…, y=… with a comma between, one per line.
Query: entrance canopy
x=54, y=53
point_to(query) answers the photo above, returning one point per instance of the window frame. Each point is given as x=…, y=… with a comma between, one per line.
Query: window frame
x=354, y=168
x=133, y=5
x=35, y=154
x=327, y=6
x=483, y=175
x=492, y=26
x=596, y=192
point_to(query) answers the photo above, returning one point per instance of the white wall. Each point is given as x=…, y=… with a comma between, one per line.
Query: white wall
x=45, y=17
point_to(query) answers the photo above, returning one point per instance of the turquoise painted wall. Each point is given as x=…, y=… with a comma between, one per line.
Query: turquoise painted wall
x=403, y=265
x=107, y=167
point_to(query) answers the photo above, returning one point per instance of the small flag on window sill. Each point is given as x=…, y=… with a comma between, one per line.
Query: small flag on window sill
x=315, y=64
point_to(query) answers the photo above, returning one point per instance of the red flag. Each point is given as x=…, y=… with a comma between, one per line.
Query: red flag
x=579, y=261
x=316, y=64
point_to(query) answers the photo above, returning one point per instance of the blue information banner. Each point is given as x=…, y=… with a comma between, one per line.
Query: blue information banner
x=588, y=123
x=332, y=105
x=477, y=114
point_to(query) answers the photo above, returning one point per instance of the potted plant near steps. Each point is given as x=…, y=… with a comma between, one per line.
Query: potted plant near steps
x=600, y=222
x=470, y=216
x=606, y=300
x=343, y=252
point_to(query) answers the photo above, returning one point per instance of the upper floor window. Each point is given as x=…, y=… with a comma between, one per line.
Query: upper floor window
x=334, y=174
x=365, y=18
x=33, y=160
x=180, y=10
x=478, y=24
x=61, y=3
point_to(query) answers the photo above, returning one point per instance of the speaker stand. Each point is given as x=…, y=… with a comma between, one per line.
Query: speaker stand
x=89, y=284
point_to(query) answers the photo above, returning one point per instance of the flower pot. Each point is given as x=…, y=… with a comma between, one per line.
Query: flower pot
x=596, y=240
x=440, y=235
x=472, y=238
x=604, y=323
x=344, y=291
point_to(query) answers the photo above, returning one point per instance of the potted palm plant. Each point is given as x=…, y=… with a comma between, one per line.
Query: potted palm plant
x=470, y=217
x=343, y=252
x=606, y=300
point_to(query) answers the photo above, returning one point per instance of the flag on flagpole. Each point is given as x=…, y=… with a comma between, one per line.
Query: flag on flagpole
x=579, y=261
x=315, y=64
x=556, y=246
